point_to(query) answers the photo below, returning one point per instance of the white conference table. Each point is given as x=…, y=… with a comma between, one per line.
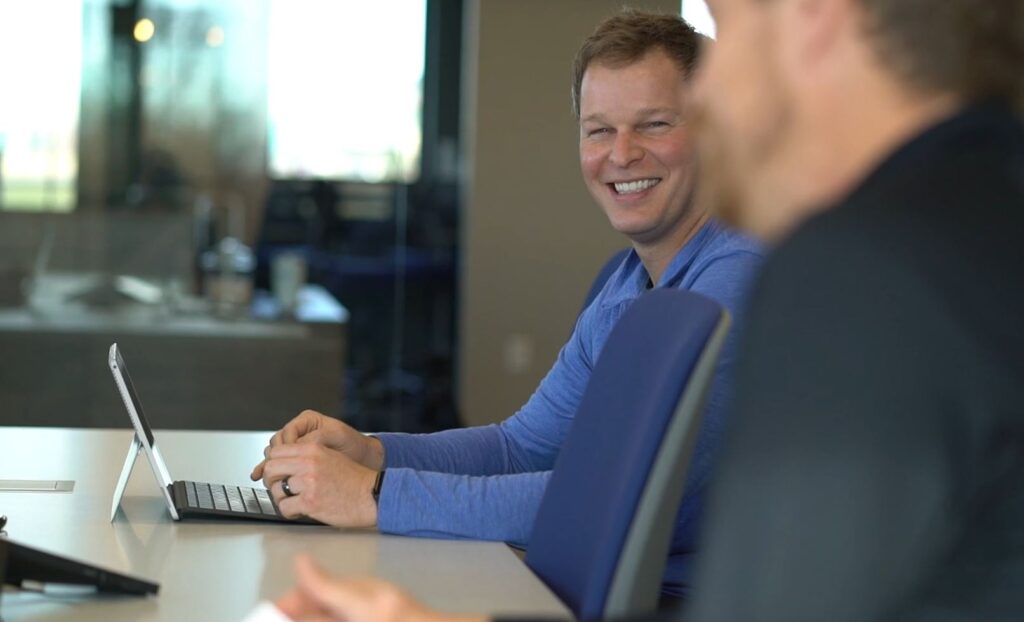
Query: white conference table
x=217, y=570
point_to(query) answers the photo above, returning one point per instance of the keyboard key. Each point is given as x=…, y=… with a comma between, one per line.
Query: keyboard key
x=190, y=494
x=220, y=500
x=266, y=504
x=234, y=499
x=203, y=495
x=252, y=506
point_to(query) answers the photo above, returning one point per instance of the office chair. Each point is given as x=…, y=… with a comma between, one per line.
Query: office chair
x=601, y=537
x=609, y=266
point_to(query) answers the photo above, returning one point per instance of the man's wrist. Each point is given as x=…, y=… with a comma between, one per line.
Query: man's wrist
x=375, y=453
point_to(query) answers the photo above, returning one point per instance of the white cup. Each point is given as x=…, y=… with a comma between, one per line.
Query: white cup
x=287, y=276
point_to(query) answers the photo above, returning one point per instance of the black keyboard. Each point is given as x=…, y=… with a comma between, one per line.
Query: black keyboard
x=199, y=499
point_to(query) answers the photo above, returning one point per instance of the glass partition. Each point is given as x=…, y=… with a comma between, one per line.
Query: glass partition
x=214, y=185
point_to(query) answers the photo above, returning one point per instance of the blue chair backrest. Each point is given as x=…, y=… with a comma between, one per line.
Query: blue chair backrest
x=603, y=467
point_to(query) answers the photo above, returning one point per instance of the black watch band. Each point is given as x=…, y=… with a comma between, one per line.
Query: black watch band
x=376, y=486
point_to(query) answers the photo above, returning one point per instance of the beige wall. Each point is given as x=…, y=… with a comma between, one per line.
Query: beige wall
x=532, y=237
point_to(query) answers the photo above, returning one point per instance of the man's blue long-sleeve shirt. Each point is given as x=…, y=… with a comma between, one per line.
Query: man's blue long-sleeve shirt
x=487, y=482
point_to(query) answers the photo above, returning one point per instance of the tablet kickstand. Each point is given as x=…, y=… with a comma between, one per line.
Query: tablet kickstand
x=126, y=471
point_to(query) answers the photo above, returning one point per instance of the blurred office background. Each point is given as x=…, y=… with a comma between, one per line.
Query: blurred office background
x=369, y=208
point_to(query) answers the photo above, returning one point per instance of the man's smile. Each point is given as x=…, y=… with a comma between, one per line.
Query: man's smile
x=634, y=186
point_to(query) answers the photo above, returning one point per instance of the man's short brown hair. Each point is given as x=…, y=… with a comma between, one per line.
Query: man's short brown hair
x=627, y=37
x=970, y=48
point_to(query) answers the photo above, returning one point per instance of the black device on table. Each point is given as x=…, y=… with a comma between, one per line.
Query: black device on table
x=21, y=565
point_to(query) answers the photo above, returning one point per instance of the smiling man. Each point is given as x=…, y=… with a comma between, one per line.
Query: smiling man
x=631, y=89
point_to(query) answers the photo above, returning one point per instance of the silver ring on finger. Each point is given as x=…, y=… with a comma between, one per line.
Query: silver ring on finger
x=286, y=488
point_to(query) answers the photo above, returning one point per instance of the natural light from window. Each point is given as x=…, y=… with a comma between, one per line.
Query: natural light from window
x=40, y=77
x=695, y=12
x=345, y=89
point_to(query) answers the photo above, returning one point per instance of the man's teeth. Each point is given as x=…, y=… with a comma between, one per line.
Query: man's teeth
x=629, y=187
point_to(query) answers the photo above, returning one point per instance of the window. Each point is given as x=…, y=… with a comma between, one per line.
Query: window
x=335, y=88
x=696, y=13
x=345, y=89
x=41, y=76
